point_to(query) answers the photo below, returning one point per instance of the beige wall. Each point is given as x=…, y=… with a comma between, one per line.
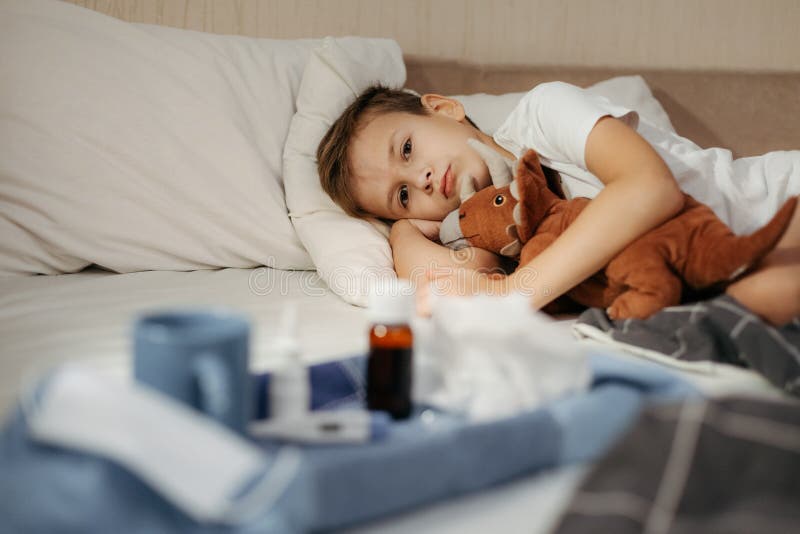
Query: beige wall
x=708, y=34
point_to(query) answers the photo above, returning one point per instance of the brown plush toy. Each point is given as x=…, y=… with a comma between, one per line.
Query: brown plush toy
x=521, y=218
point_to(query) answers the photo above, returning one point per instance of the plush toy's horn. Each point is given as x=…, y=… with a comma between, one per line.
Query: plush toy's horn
x=467, y=188
x=500, y=169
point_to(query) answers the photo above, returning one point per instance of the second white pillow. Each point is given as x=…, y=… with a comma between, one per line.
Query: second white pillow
x=632, y=92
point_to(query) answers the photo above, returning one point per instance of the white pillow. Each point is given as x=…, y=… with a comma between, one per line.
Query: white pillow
x=632, y=92
x=141, y=147
x=349, y=253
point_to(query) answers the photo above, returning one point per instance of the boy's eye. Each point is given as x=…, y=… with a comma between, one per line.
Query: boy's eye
x=403, y=195
x=406, y=149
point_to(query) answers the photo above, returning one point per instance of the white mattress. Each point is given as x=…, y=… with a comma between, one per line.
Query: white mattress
x=87, y=316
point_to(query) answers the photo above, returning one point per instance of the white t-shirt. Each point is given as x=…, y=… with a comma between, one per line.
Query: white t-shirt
x=555, y=119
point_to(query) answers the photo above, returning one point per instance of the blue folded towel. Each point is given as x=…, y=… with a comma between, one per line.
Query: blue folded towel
x=423, y=459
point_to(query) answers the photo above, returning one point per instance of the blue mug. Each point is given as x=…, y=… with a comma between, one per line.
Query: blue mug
x=197, y=357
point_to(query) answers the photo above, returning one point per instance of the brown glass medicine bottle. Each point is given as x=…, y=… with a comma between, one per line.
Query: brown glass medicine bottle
x=390, y=359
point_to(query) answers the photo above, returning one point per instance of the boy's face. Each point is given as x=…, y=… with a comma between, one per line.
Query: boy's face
x=409, y=166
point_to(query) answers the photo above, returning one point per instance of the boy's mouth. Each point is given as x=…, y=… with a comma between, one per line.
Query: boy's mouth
x=446, y=186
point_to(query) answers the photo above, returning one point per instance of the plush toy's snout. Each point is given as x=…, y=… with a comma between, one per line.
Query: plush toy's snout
x=450, y=231
x=468, y=226
x=479, y=222
x=500, y=217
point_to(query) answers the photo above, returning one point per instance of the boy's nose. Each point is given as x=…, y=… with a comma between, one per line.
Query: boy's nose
x=426, y=179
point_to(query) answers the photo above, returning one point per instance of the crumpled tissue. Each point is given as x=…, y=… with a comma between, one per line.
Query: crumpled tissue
x=489, y=357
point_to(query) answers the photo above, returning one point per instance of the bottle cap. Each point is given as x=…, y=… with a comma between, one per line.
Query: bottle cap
x=285, y=341
x=391, y=301
x=288, y=320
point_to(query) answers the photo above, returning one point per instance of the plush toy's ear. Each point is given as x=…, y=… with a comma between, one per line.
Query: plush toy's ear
x=534, y=197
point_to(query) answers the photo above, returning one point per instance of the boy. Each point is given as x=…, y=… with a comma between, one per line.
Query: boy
x=402, y=157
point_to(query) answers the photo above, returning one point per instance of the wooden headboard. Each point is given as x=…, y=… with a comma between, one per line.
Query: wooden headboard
x=655, y=34
x=726, y=71
x=748, y=112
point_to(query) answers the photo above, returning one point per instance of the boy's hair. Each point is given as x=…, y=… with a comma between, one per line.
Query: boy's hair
x=332, y=154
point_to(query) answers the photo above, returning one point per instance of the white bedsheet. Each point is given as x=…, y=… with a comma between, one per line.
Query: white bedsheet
x=88, y=316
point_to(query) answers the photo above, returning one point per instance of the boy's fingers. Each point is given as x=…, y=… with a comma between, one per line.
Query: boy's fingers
x=499, y=168
x=423, y=300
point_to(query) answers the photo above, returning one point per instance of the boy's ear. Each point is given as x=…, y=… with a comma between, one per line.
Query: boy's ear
x=446, y=106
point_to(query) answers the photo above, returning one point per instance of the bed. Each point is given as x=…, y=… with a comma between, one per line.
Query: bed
x=48, y=319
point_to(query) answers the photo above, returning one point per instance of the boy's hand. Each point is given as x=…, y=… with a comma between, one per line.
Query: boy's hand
x=458, y=281
x=429, y=229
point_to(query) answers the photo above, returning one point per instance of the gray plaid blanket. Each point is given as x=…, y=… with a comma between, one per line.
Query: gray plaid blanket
x=717, y=330
x=700, y=467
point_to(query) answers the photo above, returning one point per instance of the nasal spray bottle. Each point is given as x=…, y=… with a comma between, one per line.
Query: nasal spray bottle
x=291, y=418
x=389, y=365
x=289, y=390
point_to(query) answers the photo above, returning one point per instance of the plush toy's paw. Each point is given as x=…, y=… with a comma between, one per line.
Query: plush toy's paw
x=634, y=305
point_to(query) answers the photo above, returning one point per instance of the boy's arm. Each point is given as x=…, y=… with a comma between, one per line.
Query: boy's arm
x=640, y=194
x=414, y=253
